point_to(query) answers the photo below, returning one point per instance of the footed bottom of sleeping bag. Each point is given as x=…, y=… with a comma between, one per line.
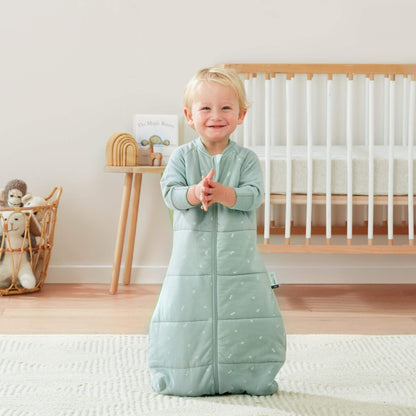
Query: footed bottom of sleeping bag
x=256, y=379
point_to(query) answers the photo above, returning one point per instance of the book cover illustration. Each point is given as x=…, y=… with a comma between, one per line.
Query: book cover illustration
x=157, y=130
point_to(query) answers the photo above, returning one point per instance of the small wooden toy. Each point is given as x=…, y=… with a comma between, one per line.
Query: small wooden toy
x=122, y=150
x=154, y=156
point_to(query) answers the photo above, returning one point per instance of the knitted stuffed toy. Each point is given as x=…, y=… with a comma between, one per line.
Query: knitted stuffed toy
x=13, y=225
x=13, y=193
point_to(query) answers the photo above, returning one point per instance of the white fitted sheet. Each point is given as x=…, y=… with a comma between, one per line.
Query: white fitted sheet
x=339, y=169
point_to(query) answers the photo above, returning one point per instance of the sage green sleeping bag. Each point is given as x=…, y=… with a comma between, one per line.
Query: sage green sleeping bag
x=217, y=327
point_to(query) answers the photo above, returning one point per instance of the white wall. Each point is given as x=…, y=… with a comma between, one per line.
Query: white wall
x=73, y=72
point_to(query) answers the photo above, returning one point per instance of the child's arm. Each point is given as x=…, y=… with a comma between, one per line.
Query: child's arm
x=248, y=195
x=174, y=182
x=250, y=189
x=176, y=192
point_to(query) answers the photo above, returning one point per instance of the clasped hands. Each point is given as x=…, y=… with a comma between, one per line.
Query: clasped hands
x=209, y=192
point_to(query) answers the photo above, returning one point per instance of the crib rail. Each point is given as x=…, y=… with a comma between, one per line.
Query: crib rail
x=376, y=104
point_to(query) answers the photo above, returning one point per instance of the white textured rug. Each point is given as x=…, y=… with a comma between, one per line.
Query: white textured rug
x=100, y=375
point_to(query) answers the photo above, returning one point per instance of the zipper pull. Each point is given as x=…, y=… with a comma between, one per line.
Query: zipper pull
x=273, y=280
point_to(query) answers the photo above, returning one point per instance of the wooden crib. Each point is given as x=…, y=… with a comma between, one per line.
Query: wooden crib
x=337, y=147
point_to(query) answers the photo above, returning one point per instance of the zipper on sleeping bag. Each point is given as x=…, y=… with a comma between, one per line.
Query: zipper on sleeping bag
x=214, y=299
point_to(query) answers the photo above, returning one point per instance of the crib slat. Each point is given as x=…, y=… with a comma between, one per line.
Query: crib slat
x=273, y=111
x=366, y=109
x=390, y=190
x=328, y=209
x=349, y=157
x=254, y=122
x=309, y=140
x=274, y=138
x=370, y=159
x=405, y=113
x=410, y=141
x=366, y=120
x=405, y=108
x=267, y=121
x=386, y=123
x=289, y=141
x=386, y=109
x=247, y=120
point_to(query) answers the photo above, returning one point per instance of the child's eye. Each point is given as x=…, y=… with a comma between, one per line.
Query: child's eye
x=205, y=108
x=226, y=108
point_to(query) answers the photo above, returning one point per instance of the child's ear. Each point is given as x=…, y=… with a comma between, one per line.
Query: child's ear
x=241, y=116
x=188, y=115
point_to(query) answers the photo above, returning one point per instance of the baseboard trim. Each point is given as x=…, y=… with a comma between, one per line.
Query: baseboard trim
x=285, y=274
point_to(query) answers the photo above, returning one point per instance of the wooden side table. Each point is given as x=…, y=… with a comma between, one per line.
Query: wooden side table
x=133, y=179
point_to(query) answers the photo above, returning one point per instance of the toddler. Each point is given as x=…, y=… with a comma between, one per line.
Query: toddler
x=217, y=327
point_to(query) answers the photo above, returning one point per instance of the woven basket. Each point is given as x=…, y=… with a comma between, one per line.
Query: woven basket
x=31, y=246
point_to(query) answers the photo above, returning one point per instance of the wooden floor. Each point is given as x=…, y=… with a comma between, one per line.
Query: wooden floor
x=89, y=308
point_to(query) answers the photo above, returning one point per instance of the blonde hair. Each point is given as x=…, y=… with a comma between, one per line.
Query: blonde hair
x=224, y=76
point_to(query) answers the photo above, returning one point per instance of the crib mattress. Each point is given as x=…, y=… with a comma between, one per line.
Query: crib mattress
x=360, y=178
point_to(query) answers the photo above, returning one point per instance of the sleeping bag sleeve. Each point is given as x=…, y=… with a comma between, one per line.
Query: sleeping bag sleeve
x=174, y=184
x=250, y=189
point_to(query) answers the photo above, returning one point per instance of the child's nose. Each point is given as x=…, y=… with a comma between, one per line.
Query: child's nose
x=216, y=114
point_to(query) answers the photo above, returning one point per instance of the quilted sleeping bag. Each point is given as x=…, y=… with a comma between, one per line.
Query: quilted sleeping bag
x=217, y=327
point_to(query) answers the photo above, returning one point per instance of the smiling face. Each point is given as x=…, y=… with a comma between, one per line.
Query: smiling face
x=15, y=223
x=215, y=114
x=14, y=198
